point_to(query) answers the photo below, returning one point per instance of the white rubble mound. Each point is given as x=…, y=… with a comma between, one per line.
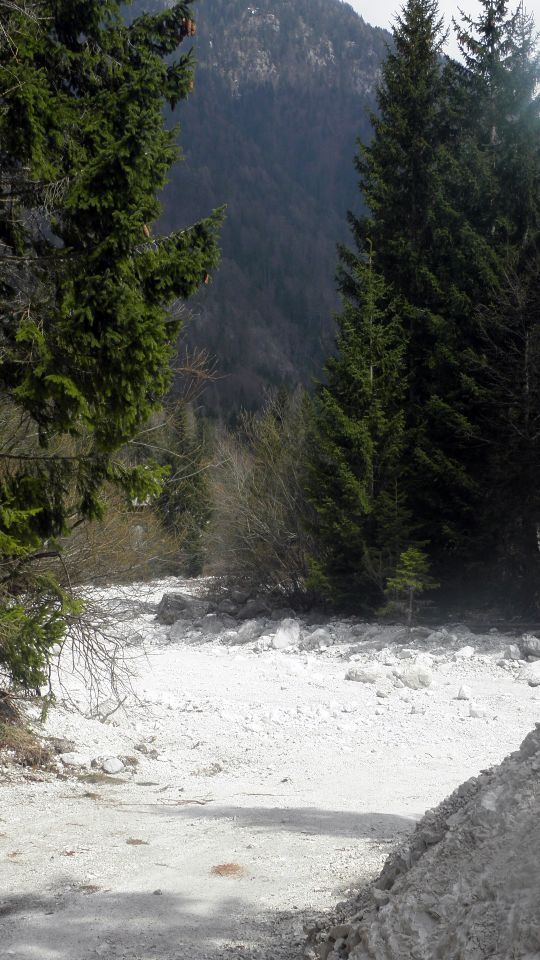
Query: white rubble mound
x=467, y=885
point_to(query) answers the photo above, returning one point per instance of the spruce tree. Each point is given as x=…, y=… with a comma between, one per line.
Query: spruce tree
x=356, y=446
x=501, y=77
x=85, y=334
x=499, y=49
x=513, y=354
x=414, y=221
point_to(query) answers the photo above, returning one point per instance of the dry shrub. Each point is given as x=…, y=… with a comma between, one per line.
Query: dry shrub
x=21, y=746
x=127, y=544
x=258, y=535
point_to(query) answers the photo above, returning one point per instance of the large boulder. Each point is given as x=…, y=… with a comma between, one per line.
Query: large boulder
x=287, y=634
x=256, y=607
x=249, y=631
x=181, y=606
x=415, y=675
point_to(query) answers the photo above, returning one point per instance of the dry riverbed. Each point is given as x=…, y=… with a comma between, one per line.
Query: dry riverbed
x=253, y=784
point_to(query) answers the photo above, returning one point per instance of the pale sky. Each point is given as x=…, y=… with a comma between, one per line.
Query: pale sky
x=381, y=13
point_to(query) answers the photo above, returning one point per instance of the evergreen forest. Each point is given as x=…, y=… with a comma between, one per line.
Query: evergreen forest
x=425, y=432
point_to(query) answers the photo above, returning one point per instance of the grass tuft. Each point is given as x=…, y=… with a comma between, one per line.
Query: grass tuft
x=19, y=745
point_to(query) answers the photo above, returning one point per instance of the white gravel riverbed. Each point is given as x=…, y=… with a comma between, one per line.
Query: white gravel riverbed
x=259, y=785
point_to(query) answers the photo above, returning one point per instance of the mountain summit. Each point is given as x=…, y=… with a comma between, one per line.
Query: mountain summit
x=282, y=90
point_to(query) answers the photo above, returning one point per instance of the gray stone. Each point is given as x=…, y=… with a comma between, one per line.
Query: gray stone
x=227, y=606
x=282, y=613
x=256, y=607
x=178, y=606
x=212, y=624
x=319, y=638
x=416, y=676
x=530, y=646
x=363, y=675
x=239, y=596
x=249, y=631
x=531, y=674
x=288, y=634
x=464, y=653
x=512, y=652
x=476, y=711
x=76, y=760
x=463, y=693
x=180, y=630
x=437, y=638
x=112, y=765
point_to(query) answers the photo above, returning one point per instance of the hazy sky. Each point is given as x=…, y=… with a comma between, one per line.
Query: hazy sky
x=381, y=12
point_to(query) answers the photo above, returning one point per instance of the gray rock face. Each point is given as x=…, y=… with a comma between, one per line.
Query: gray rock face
x=180, y=606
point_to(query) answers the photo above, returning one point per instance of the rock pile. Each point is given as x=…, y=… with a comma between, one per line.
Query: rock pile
x=466, y=886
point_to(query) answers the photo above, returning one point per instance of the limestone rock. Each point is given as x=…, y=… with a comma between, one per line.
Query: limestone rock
x=530, y=646
x=288, y=634
x=416, y=676
x=464, y=653
x=317, y=640
x=512, y=652
x=531, y=674
x=476, y=712
x=76, y=760
x=178, y=606
x=180, y=629
x=363, y=675
x=227, y=606
x=249, y=631
x=256, y=607
x=112, y=765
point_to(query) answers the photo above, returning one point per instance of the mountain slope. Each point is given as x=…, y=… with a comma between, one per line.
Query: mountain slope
x=282, y=90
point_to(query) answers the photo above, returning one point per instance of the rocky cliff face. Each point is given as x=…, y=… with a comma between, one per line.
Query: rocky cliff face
x=283, y=88
x=279, y=42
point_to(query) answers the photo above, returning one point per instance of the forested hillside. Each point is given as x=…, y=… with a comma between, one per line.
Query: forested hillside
x=282, y=91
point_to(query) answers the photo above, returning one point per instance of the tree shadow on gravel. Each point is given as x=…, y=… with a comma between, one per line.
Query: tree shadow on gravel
x=306, y=820
x=143, y=926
